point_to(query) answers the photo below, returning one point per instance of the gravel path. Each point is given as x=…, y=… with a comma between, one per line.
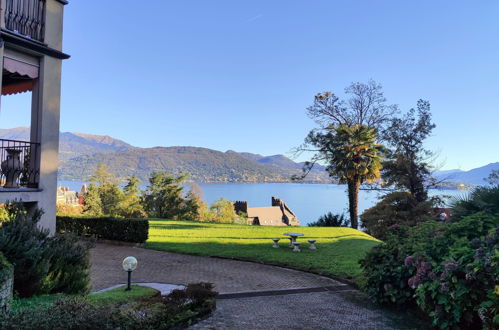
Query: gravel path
x=253, y=296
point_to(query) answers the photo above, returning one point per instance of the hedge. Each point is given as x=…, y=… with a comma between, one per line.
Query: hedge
x=125, y=230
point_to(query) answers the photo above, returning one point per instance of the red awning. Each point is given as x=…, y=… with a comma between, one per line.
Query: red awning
x=18, y=76
x=15, y=88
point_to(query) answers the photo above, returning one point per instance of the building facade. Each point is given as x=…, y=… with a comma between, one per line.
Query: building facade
x=278, y=214
x=31, y=57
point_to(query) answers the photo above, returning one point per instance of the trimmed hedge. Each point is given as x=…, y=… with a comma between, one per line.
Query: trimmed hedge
x=125, y=230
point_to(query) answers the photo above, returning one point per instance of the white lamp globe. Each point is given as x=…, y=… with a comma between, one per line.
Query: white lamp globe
x=129, y=264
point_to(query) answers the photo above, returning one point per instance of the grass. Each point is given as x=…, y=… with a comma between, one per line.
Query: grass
x=112, y=297
x=119, y=295
x=339, y=248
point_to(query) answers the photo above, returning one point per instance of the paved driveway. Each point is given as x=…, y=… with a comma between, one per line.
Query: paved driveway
x=173, y=268
x=252, y=296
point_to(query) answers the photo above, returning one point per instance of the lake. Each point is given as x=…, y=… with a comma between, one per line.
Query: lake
x=308, y=201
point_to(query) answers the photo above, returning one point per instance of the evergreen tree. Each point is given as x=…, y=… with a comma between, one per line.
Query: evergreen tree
x=131, y=205
x=92, y=204
x=406, y=171
x=164, y=198
x=407, y=167
x=104, y=195
x=111, y=197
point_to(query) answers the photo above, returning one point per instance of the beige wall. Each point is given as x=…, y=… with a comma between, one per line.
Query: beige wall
x=45, y=119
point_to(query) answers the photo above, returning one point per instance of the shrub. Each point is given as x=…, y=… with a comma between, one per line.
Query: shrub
x=4, y=215
x=42, y=264
x=396, y=208
x=222, y=211
x=386, y=274
x=126, y=230
x=68, y=210
x=26, y=246
x=66, y=313
x=6, y=273
x=447, y=269
x=5, y=269
x=331, y=220
x=482, y=199
x=458, y=290
x=69, y=266
x=178, y=310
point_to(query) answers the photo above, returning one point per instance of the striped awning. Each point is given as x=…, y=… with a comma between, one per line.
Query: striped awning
x=19, y=73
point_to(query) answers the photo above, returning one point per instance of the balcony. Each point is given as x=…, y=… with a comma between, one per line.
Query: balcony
x=26, y=18
x=19, y=164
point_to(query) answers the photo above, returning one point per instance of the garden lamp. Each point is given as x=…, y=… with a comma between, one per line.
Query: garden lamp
x=129, y=265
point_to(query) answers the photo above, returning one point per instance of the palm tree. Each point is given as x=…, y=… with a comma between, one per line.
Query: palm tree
x=352, y=155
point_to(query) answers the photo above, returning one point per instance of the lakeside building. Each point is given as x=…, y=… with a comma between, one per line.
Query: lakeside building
x=279, y=214
x=31, y=58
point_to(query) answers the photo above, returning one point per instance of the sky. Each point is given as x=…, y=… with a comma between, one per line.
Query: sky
x=239, y=74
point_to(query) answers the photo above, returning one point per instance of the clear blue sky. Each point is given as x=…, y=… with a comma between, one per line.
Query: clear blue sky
x=239, y=74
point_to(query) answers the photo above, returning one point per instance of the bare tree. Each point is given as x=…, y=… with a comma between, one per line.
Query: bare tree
x=196, y=191
x=365, y=105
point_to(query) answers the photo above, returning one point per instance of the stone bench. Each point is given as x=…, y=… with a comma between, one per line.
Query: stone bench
x=312, y=244
x=276, y=242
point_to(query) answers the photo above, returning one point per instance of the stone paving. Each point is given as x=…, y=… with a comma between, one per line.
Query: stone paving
x=172, y=268
x=268, y=297
x=319, y=310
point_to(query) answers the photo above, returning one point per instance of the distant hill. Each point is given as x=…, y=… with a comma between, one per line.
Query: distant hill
x=281, y=162
x=73, y=144
x=475, y=176
x=204, y=165
x=80, y=153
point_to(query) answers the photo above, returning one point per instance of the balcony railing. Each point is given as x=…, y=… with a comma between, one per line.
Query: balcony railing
x=26, y=17
x=19, y=164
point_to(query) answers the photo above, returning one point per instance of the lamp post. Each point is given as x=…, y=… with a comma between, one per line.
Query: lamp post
x=129, y=265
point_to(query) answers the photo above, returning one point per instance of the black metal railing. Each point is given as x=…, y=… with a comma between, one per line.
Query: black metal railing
x=19, y=164
x=26, y=17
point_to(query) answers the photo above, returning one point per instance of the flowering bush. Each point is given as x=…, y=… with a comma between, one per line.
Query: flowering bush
x=448, y=270
x=387, y=267
x=387, y=275
x=457, y=290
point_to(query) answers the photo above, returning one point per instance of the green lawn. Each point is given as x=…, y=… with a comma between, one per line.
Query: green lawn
x=112, y=297
x=339, y=249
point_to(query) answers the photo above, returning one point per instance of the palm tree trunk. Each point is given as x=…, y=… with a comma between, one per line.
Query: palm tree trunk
x=353, y=201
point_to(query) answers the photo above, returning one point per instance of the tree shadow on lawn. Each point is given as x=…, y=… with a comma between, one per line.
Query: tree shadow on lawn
x=174, y=226
x=283, y=240
x=337, y=259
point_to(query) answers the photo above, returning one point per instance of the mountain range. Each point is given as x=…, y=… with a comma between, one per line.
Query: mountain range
x=474, y=176
x=80, y=153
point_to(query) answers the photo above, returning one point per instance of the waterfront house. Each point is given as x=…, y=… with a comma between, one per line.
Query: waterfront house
x=278, y=214
x=31, y=57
